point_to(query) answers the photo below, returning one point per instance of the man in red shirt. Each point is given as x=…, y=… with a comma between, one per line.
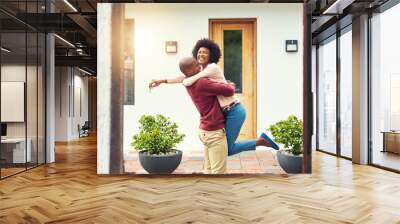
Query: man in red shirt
x=212, y=133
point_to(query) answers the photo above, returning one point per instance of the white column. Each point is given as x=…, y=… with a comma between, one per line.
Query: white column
x=50, y=94
x=103, y=88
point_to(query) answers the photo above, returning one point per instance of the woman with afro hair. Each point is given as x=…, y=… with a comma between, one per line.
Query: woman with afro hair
x=207, y=53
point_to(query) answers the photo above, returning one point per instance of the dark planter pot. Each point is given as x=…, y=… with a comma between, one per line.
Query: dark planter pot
x=160, y=164
x=289, y=162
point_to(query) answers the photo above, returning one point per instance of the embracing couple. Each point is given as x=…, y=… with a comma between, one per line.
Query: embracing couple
x=221, y=113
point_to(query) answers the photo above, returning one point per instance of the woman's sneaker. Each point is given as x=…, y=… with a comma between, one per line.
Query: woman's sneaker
x=268, y=139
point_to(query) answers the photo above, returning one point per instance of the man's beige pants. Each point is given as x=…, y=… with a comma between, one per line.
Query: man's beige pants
x=215, y=150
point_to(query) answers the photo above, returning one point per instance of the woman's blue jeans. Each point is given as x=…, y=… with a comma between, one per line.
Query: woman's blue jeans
x=234, y=120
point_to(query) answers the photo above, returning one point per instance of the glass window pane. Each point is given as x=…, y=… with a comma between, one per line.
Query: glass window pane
x=31, y=97
x=23, y=87
x=394, y=101
x=385, y=89
x=13, y=89
x=233, y=57
x=129, y=78
x=346, y=94
x=327, y=97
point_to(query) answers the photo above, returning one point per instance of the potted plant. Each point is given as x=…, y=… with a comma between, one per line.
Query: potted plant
x=156, y=143
x=289, y=132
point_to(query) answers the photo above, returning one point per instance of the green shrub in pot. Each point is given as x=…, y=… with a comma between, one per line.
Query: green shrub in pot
x=289, y=132
x=156, y=143
x=157, y=135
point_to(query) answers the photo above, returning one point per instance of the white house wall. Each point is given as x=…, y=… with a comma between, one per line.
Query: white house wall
x=279, y=74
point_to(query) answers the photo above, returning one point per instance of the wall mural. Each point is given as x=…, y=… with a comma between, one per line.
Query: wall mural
x=166, y=106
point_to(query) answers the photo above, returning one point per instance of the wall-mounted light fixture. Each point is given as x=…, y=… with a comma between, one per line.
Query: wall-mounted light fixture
x=171, y=46
x=5, y=50
x=291, y=46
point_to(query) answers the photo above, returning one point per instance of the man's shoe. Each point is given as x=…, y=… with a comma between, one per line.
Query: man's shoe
x=266, y=138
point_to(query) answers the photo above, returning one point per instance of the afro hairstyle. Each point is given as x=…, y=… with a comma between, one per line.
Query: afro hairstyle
x=215, y=51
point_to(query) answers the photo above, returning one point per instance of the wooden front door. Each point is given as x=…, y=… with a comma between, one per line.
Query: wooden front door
x=237, y=40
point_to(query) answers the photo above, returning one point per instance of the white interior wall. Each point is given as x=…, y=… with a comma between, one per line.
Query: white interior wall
x=80, y=114
x=279, y=74
x=61, y=103
x=16, y=73
x=13, y=101
x=66, y=118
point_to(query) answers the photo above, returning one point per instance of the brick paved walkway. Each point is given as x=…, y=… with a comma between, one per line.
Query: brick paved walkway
x=251, y=162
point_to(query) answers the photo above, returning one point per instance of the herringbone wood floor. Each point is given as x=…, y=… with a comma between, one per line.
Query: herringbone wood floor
x=69, y=191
